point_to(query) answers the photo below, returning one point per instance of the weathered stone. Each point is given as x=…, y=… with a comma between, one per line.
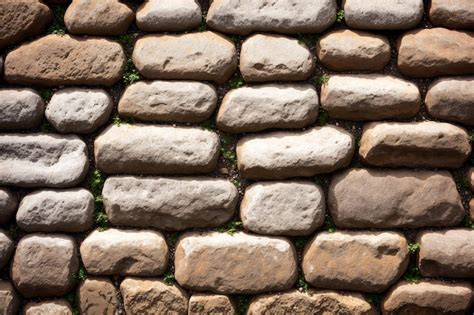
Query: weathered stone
x=238, y=263
x=275, y=57
x=452, y=14
x=152, y=149
x=22, y=18
x=6, y=248
x=9, y=300
x=371, y=198
x=31, y=160
x=56, y=307
x=424, y=144
x=428, y=297
x=448, y=253
x=170, y=101
x=153, y=296
x=76, y=110
x=434, y=52
x=125, y=252
x=56, y=211
x=8, y=205
x=349, y=50
x=257, y=108
x=300, y=16
x=313, y=302
x=169, y=16
x=452, y=99
x=283, y=208
x=103, y=18
x=98, y=296
x=44, y=265
x=194, y=56
x=360, y=261
x=383, y=15
x=369, y=97
x=279, y=155
x=169, y=203
x=211, y=304
x=64, y=60
x=20, y=109
x=470, y=178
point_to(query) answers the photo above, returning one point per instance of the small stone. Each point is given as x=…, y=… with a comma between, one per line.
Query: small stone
x=283, y=208
x=56, y=307
x=56, y=211
x=65, y=60
x=470, y=178
x=9, y=300
x=385, y=199
x=77, y=110
x=98, y=296
x=125, y=252
x=427, y=53
x=360, y=261
x=169, y=101
x=211, y=304
x=153, y=296
x=102, y=18
x=32, y=160
x=169, y=203
x=8, y=205
x=169, y=16
x=234, y=264
x=369, y=97
x=283, y=154
x=6, y=248
x=275, y=58
x=383, y=15
x=417, y=144
x=452, y=14
x=428, y=297
x=452, y=99
x=349, y=50
x=256, y=108
x=300, y=16
x=20, y=109
x=154, y=149
x=44, y=265
x=194, y=56
x=448, y=253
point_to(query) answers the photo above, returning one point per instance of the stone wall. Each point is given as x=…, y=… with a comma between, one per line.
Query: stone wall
x=236, y=157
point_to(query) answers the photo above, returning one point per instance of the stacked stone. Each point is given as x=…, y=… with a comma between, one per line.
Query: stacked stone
x=295, y=177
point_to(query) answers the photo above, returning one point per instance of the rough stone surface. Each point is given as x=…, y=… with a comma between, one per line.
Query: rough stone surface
x=56, y=211
x=6, y=248
x=427, y=53
x=360, y=261
x=452, y=14
x=369, y=97
x=300, y=16
x=283, y=208
x=9, y=300
x=31, y=160
x=452, y=99
x=169, y=16
x=20, y=108
x=211, y=304
x=153, y=296
x=194, y=56
x=77, y=110
x=448, y=253
x=97, y=296
x=348, y=50
x=279, y=155
x=371, y=198
x=382, y=14
x=275, y=57
x=169, y=101
x=22, y=18
x=8, y=205
x=282, y=106
x=125, y=252
x=44, y=265
x=313, y=302
x=239, y=263
x=64, y=60
x=428, y=297
x=169, y=203
x=152, y=149
x=56, y=307
x=424, y=144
